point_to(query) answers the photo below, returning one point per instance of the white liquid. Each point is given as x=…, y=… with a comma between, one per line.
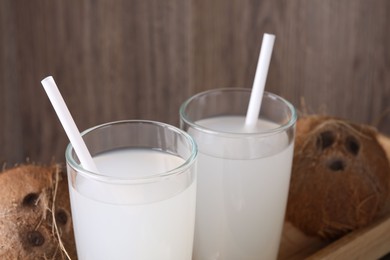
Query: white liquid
x=161, y=229
x=240, y=202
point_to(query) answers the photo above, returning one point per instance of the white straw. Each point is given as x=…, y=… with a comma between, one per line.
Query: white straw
x=68, y=123
x=260, y=79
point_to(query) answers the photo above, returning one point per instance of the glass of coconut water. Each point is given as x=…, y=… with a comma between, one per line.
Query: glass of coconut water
x=243, y=173
x=141, y=204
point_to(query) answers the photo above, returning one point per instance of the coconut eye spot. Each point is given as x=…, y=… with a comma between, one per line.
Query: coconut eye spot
x=30, y=199
x=352, y=145
x=336, y=165
x=61, y=217
x=325, y=140
x=35, y=238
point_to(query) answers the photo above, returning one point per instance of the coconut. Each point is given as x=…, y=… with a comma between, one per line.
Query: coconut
x=340, y=177
x=35, y=220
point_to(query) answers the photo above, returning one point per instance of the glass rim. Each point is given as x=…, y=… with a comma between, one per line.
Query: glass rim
x=282, y=128
x=134, y=180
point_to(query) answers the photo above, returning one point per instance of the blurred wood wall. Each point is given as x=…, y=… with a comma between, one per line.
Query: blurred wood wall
x=128, y=59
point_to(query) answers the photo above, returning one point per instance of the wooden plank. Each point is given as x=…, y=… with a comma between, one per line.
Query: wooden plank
x=331, y=53
x=142, y=59
x=11, y=141
x=111, y=60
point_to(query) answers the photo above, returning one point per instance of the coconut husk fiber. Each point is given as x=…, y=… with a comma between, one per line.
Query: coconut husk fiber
x=340, y=177
x=35, y=220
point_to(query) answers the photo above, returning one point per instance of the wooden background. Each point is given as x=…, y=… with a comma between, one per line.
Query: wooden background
x=127, y=59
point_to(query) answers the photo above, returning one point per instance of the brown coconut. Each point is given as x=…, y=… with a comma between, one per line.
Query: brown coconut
x=340, y=177
x=31, y=197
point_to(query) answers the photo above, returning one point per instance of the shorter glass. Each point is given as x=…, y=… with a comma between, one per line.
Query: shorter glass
x=141, y=204
x=243, y=173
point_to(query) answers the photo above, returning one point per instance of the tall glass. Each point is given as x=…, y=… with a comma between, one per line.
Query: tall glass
x=141, y=204
x=243, y=173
